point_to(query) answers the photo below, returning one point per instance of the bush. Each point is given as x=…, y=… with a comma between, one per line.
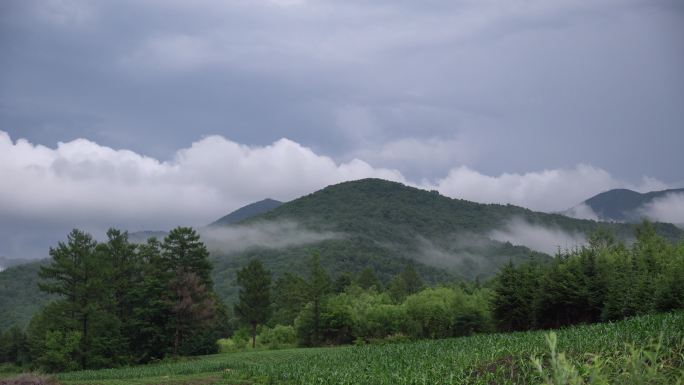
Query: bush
x=278, y=337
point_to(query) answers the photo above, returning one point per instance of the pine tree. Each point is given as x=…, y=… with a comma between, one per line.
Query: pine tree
x=318, y=287
x=253, y=307
x=289, y=296
x=150, y=334
x=82, y=276
x=194, y=303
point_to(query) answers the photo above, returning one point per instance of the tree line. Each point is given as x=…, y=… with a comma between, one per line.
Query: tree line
x=602, y=281
x=120, y=303
x=319, y=310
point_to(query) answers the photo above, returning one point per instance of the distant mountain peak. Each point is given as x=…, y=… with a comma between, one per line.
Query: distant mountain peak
x=246, y=212
x=618, y=205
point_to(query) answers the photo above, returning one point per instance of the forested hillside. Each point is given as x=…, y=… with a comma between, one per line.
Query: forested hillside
x=382, y=224
x=369, y=223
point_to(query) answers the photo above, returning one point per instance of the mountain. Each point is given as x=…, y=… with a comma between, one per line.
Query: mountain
x=385, y=225
x=620, y=205
x=371, y=223
x=247, y=212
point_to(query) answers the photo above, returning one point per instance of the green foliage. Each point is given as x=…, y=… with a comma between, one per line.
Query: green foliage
x=368, y=280
x=61, y=351
x=117, y=303
x=366, y=315
x=82, y=277
x=318, y=286
x=14, y=346
x=255, y=290
x=278, y=337
x=604, y=281
x=193, y=303
x=289, y=297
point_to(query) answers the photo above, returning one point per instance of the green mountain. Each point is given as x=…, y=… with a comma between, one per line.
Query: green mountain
x=624, y=205
x=366, y=223
x=384, y=225
x=247, y=212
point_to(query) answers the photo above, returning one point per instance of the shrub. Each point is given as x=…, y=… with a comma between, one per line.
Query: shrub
x=278, y=337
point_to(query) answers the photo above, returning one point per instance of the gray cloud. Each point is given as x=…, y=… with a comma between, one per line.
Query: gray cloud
x=518, y=83
x=669, y=208
x=544, y=239
x=536, y=103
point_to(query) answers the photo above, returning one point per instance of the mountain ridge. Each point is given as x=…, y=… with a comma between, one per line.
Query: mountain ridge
x=621, y=205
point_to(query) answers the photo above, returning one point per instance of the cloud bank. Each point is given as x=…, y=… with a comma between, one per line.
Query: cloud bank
x=83, y=184
x=669, y=208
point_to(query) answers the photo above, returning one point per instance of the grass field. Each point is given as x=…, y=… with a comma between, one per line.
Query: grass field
x=643, y=350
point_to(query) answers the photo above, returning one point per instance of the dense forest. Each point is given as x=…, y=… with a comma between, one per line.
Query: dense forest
x=117, y=303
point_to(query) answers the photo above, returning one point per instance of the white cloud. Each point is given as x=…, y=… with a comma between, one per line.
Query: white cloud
x=84, y=183
x=544, y=239
x=669, y=208
x=547, y=190
x=582, y=211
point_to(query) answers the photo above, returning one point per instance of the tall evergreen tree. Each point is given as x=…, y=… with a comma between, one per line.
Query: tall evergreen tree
x=255, y=290
x=318, y=287
x=82, y=276
x=150, y=334
x=289, y=297
x=194, y=303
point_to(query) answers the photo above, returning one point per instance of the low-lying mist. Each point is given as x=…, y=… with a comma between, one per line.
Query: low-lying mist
x=669, y=208
x=545, y=239
x=270, y=235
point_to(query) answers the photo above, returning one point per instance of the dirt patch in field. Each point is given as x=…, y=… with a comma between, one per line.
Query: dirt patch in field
x=30, y=379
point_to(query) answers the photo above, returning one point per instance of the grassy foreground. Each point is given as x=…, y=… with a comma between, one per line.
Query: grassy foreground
x=648, y=349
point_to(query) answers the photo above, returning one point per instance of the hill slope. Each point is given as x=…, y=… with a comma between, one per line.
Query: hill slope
x=622, y=205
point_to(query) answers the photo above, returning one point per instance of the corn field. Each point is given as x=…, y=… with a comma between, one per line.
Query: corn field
x=641, y=350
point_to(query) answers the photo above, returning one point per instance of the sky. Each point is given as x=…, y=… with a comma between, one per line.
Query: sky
x=148, y=114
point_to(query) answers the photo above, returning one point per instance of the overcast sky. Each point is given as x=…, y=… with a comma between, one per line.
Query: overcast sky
x=147, y=114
